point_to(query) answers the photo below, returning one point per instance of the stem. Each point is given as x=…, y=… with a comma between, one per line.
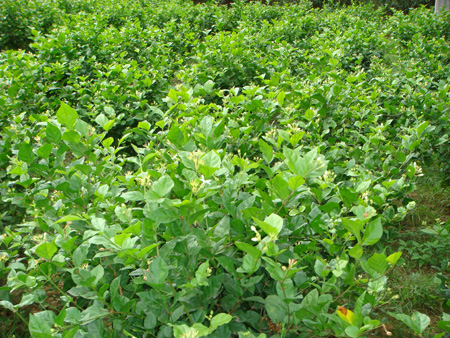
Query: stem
x=57, y=288
x=182, y=303
x=285, y=201
x=22, y=318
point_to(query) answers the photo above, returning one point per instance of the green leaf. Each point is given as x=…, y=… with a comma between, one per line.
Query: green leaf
x=373, y=232
x=266, y=150
x=276, y=309
x=351, y=78
x=295, y=182
x=356, y=252
x=150, y=321
x=280, y=98
x=163, y=186
x=219, y=320
x=227, y=263
x=71, y=333
x=393, y=258
x=274, y=269
x=45, y=150
x=158, y=271
x=67, y=116
x=39, y=328
x=101, y=120
x=378, y=263
x=272, y=225
x=26, y=153
x=46, y=250
x=352, y=331
x=176, y=136
x=133, y=196
x=69, y=218
x=354, y=226
x=247, y=248
x=418, y=322
x=421, y=128
x=92, y=313
x=71, y=136
x=410, y=171
x=320, y=268
x=7, y=305
x=209, y=164
x=80, y=254
x=309, y=166
x=53, y=133
x=162, y=215
x=280, y=187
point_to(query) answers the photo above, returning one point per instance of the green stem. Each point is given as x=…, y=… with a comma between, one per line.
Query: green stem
x=58, y=288
x=22, y=318
x=182, y=303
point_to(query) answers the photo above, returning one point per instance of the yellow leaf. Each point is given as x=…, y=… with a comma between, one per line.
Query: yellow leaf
x=346, y=315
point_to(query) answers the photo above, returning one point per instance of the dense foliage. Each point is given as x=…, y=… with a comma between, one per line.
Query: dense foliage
x=170, y=170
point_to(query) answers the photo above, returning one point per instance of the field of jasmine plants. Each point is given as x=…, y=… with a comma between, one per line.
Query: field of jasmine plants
x=178, y=170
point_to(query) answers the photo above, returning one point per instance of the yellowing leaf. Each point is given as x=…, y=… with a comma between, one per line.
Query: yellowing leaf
x=346, y=315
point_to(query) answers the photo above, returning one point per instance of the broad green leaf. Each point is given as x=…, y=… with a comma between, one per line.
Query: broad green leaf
x=418, y=322
x=351, y=78
x=249, y=264
x=309, y=166
x=92, y=313
x=280, y=98
x=101, y=120
x=378, y=263
x=163, y=186
x=67, y=116
x=295, y=182
x=162, y=215
x=53, y=133
x=123, y=213
x=176, y=136
x=219, y=320
x=276, y=309
x=352, y=331
x=267, y=228
x=356, y=252
x=39, y=327
x=150, y=321
x=133, y=196
x=46, y=250
x=7, y=305
x=247, y=248
x=320, y=268
x=410, y=171
x=354, y=226
x=45, y=150
x=421, y=128
x=71, y=332
x=80, y=254
x=209, y=164
x=69, y=218
x=158, y=271
x=296, y=137
x=26, y=153
x=373, y=232
x=393, y=258
x=227, y=263
x=280, y=187
x=275, y=270
x=119, y=239
x=71, y=136
x=266, y=150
